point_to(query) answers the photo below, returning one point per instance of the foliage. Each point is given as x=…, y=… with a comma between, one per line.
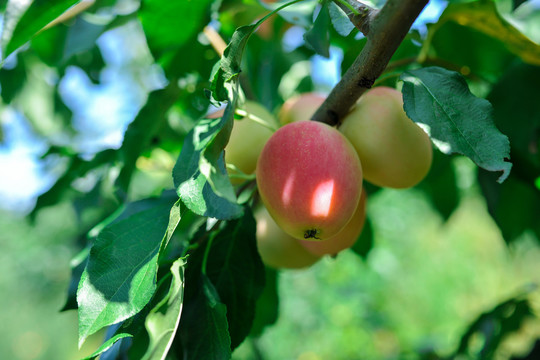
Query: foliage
x=172, y=269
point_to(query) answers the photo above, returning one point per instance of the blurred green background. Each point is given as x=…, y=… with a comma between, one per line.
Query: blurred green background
x=421, y=285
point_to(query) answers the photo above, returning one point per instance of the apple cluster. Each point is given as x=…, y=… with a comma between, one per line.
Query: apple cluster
x=309, y=174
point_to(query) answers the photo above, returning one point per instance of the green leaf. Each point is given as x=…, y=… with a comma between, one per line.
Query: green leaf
x=484, y=17
x=170, y=24
x=235, y=268
x=267, y=306
x=503, y=200
x=473, y=52
x=39, y=14
x=458, y=120
x=493, y=326
x=517, y=114
x=163, y=320
x=203, y=327
x=441, y=186
x=364, y=244
x=318, y=37
x=120, y=277
x=107, y=345
x=199, y=174
x=340, y=20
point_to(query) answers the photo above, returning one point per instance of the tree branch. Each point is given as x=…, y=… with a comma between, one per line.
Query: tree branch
x=386, y=32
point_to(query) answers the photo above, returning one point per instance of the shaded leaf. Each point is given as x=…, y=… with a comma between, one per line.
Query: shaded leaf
x=318, y=37
x=516, y=110
x=460, y=121
x=503, y=200
x=203, y=328
x=484, y=17
x=479, y=54
x=364, y=244
x=236, y=270
x=267, y=306
x=163, y=320
x=493, y=326
x=441, y=186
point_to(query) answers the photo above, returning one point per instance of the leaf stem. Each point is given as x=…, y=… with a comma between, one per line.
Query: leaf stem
x=207, y=251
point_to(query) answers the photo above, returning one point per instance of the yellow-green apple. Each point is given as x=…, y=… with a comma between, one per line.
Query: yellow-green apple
x=310, y=179
x=300, y=107
x=277, y=248
x=394, y=151
x=343, y=239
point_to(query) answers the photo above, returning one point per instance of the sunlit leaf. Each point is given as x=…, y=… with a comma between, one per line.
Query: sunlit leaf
x=107, y=345
x=38, y=15
x=120, y=277
x=163, y=320
x=463, y=123
x=340, y=20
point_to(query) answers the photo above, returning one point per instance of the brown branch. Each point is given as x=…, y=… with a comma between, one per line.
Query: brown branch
x=386, y=32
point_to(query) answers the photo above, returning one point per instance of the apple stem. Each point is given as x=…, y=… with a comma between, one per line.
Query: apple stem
x=255, y=118
x=387, y=29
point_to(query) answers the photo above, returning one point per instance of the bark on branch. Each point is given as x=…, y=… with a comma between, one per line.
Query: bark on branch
x=386, y=31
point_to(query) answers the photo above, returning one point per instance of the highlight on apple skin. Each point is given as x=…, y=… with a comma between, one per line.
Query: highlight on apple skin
x=277, y=248
x=345, y=238
x=300, y=107
x=310, y=179
x=395, y=152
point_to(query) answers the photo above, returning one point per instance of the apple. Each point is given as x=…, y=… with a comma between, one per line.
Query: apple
x=345, y=238
x=395, y=152
x=300, y=107
x=310, y=179
x=247, y=139
x=277, y=248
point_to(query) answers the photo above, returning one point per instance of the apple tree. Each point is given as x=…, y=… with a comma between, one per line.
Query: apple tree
x=173, y=263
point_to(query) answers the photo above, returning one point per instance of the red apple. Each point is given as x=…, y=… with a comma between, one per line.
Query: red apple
x=310, y=179
x=345, y=238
